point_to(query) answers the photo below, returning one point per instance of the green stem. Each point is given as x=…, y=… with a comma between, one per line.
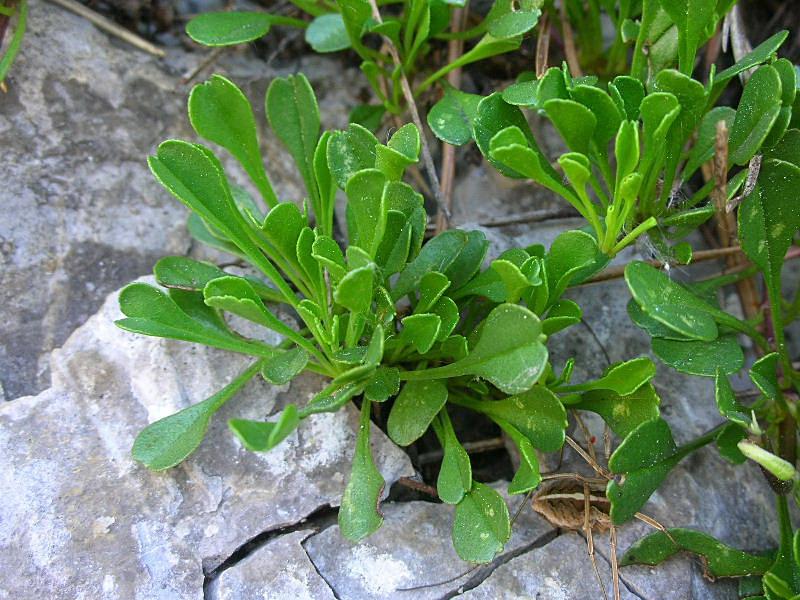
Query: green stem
x=435, y=373
x=729, y=279
x=234, y=386
x=629, y=239
x=785, y=524
x=701, y=441
x=16, y=41
x=467, y=34
x=289, y=21
x=780, y=337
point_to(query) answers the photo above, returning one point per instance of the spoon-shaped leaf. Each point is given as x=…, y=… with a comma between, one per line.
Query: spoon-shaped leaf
x=327, y=33
x=451, y=118
x=437, y=255
x=366, y=209
x=607, y=114
x=719, y=560
x=573, y=257
x=354, y=291
x=537, y=414
x=758, y=55
x=236, y=295
x=574, y=122
x=294, y=117
x=220, y=112
x=494, y=115
x=194, y=176
x=622, y=378
x=431, y=288
x=228, y=28
x=755, y=115
x=628, y=93
x=414, y=409
x=625, y=413
x=769, y=219
x=510, y=352
x=350, y=151
x=168, y=441
x=184, y=273
x=482, y=526
x=527, y=477
x=282, y=227
x=383, y=384
x=645, y=457
x=421, y=331
x=510, y=18
x=455, y=474
x=150, y=311
x=358, y=514
x=670, y=303
x=700, y=357
x=564, y=313
x=468, y=261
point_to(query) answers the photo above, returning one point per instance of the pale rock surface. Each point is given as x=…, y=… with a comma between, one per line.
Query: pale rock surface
x=278, y=570
x=82, y=213
x=81, y=519
x=561, y=570
x=413, y=548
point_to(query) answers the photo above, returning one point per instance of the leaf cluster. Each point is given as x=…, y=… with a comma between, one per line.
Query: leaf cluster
x=429, y=326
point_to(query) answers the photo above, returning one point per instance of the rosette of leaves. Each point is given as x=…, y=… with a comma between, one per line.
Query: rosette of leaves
x=632, y=145
x=384, y=315
x=414, y=30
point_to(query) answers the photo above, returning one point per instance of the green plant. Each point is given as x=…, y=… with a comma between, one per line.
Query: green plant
x=426, y=326
x=389, y=317
x=411, y=27
x=632, y=146
x=630, y=150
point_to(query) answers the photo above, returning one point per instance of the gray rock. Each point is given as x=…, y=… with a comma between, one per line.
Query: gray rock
x=80, y=117
x=413, y=548
x=77, y=122
x=81, y=519
x=278, y=570
x=560, y=570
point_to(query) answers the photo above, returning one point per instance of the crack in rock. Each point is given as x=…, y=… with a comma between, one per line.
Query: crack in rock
x=411, y=555
x=277, y=569
x=484, y=572
x=89, y=521
x=316, y=521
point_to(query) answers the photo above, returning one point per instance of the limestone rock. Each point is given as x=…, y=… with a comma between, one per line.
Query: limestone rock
x=81, y=115
x=80, y=518
x=413, y=548
x=276, y=571
x=561, y=570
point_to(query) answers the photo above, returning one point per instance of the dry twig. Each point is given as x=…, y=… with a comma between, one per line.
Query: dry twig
x=455, y=47
x=109, y=26
x=543, y=45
